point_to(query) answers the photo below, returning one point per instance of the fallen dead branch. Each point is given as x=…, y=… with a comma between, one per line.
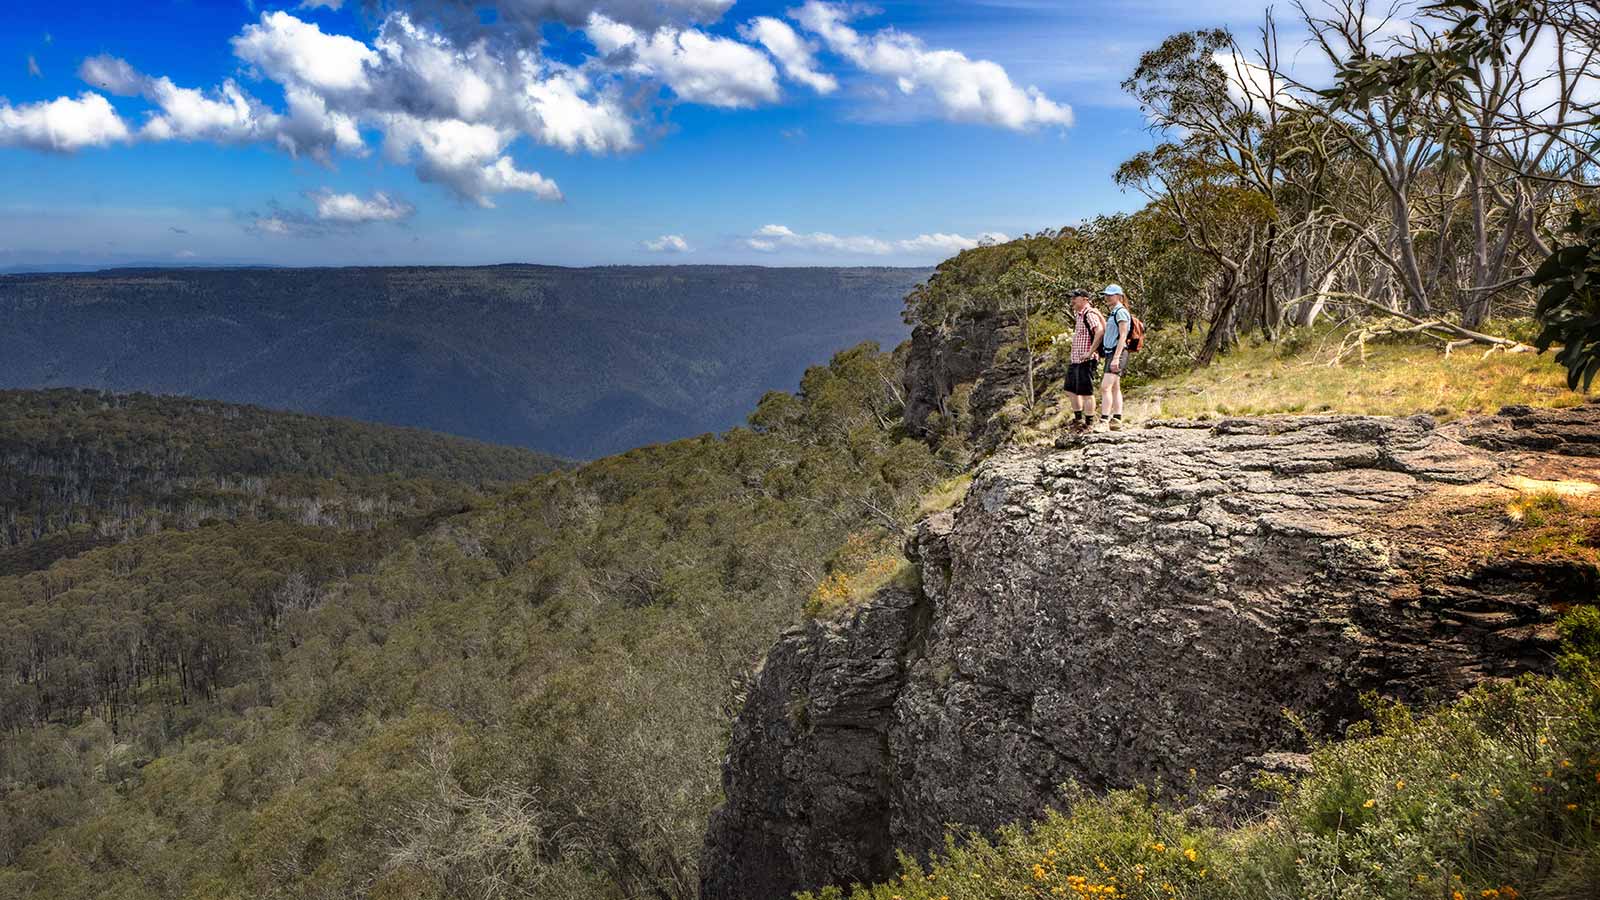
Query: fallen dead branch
x=1450, y=335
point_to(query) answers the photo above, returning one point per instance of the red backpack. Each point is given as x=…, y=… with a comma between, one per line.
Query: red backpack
x=1135, y=332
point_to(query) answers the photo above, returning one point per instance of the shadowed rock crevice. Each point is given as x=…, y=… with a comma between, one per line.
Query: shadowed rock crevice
x=1124, y=608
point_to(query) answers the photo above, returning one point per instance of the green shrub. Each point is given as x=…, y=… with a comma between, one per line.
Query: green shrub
x=1167, y=351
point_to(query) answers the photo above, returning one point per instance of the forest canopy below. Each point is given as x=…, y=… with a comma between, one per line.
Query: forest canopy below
x=87, y=468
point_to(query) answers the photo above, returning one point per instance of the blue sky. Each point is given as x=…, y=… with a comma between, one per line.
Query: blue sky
x=568, y=132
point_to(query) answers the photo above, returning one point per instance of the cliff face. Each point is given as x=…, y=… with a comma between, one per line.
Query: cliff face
x=1131, y=606
x=941, y=361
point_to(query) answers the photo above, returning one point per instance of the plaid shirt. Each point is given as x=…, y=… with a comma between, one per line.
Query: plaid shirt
x=1083, y=340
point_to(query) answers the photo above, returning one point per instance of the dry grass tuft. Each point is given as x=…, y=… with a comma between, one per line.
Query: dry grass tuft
x=1394, y=379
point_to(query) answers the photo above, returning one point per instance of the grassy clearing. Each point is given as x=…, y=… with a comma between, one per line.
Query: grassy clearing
x=1394, y=378
x=1495, y=797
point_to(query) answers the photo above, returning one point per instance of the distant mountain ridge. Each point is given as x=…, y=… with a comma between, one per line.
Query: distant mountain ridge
x=575, y=362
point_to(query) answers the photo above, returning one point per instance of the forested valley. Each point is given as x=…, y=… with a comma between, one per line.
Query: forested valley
x=85, y=468
x=256, y=655
x=529, y=691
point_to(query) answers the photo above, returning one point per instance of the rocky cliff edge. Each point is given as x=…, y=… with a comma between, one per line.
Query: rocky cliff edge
x=1128, y=607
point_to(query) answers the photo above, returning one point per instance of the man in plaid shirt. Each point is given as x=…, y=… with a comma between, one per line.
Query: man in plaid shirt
x=1083, y=358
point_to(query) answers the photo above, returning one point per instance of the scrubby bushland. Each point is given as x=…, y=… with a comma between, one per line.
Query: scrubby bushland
x=528, y=697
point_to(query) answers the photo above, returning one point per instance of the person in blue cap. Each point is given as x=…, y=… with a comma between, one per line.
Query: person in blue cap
x=1114, y=349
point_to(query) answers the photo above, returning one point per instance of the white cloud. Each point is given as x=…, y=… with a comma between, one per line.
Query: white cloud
x=771, y=238
x=331, y=212
x=33, y=67
x=289, y=50
x=322, y=4
x=794, y=53
x=502, y=175
x=113, y=75
x=227, y=115
x=668, y=243
x=949, y=243
x=965, y=90
x=453, y=110
x=274, y=225
x=463, y=156
x=62, y=125
x=556, y=112
x=530, y=15
x=427, y=74
x=423, y=73
x=350, y=209
x=698, y=67
x=1250, y=85
x=312, y=129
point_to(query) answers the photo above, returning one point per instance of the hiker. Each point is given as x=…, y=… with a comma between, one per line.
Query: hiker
x=1083, y=359
x=1114, y=347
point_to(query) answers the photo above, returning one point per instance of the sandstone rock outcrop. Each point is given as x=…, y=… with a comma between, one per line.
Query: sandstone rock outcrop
x=1127, y=607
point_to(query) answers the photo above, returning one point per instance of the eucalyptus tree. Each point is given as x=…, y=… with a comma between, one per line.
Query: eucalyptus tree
x=1027, y=290
x=1487, y=104
x=1219, y=218
x=1219, y=102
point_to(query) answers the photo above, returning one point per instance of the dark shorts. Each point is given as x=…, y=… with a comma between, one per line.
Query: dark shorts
x=1127, y=357
x=1080, y=377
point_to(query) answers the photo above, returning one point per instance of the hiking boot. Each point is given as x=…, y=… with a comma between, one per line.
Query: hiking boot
x=1116, y=424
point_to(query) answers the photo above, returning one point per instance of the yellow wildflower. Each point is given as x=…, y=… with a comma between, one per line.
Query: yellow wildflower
x=1190, y=854
x=1369, y=804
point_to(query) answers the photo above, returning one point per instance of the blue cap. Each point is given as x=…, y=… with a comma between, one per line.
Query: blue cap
x=1111, y=289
